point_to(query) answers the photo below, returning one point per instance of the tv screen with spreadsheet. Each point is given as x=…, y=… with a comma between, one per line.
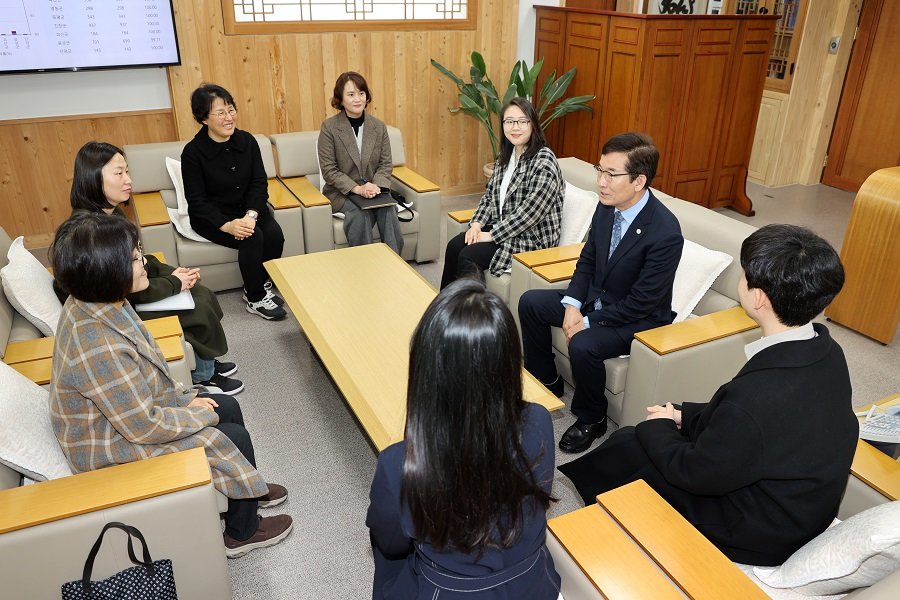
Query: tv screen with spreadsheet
x=73, y=35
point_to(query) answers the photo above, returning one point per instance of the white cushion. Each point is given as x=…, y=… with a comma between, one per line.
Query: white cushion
x=696, y=273
x=578, y=209
x=179, y=217
x=856, y=553
x=27, y=442
x=29, y=288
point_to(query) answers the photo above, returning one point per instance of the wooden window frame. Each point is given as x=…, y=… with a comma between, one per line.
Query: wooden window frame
x=233, y=27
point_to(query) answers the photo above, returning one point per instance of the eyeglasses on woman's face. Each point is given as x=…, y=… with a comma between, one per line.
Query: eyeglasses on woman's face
x=510, y=123
x=608, y=176
x=140, y=254
x=221, y=114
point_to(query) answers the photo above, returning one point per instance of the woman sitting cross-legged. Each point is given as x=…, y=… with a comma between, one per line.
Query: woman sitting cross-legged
x=112, y=399
x=458, y=509
x=101, y=184
x=521, y=208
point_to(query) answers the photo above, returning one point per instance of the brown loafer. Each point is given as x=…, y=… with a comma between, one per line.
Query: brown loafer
x=277, y=494
x=270, y=531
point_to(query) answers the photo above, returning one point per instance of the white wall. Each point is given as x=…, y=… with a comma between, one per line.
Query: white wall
x=525, y=46
x=35, y=95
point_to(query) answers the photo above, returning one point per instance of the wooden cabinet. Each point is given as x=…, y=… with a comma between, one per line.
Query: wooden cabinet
x=693, y=83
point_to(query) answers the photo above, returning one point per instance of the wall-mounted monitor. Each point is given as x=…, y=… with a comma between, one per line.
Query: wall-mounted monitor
x=72, y=35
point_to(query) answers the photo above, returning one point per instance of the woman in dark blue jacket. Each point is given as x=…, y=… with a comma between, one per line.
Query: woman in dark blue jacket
x=458, y=509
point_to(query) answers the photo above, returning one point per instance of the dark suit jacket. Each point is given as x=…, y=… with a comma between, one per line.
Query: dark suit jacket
x=393, y=536
x=342, y=164
x=635, y=283
x=761, y=469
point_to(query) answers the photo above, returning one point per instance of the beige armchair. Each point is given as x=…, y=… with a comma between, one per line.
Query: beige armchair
x=47, y=529
x=298, y=167
x=154, y=193
x=685, y=361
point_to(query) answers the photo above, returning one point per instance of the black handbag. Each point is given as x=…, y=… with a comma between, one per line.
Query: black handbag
x=150, y=580
x=402, y=205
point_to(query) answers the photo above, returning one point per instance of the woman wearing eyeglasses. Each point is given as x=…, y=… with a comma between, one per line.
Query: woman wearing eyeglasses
x=355, y=157
x=521, y=208
x=226, y=191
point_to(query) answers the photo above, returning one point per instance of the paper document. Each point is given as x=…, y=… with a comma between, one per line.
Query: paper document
x=180, y=301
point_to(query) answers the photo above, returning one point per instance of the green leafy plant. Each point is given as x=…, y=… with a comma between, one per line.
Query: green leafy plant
x=479, y=99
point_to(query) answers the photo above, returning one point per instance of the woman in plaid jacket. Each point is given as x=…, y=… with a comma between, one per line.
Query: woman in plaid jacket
x=521, y=209
x=112, y=399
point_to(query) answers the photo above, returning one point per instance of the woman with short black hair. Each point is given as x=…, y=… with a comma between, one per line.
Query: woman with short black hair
x=459, y=507
x=112, y=398
x=226, y=189
x=101, y=184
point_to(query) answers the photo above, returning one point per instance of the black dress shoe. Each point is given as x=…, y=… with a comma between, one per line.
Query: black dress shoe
x=579, y=436
x=558, y=387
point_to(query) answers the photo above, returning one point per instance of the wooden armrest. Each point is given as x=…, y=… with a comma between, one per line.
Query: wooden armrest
x=36, y=370
x=554, y=272
x=616, y=566
x=303, y=189
x=547, y=256
x=462, y=216
x=49, y=501
x=171, y=347
x=878, y=470
x=150, y=209
x=280, y=197
x=28, y=350
x=693, y=563
x=164, y=327
x=415, y=181
x=693, y=332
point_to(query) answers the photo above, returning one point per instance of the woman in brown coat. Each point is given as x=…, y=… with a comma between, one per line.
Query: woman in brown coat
x=112, y=399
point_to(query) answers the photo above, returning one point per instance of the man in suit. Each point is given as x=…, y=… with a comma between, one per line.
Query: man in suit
x=760, y=469
x=622, y=284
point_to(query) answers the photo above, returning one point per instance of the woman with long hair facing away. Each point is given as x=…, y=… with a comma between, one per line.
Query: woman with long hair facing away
x=112, y=399
x=355, y=157
x=458, y=509
x=521, y=208
x=226, y=192
x=101, y=184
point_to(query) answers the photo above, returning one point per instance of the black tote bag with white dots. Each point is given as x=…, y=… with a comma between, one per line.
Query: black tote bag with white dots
x=148, y=580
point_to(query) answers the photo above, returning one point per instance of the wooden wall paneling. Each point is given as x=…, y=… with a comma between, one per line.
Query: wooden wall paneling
x=623, y=79
x=698, y=136
x=550, y=30
x=661, y=93
x=586, y=51
x=769, y=126
x=283, y=82
x=740, y=114
x=37, y=157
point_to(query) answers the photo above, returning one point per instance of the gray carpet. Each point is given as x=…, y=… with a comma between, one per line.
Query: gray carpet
x=307, y=439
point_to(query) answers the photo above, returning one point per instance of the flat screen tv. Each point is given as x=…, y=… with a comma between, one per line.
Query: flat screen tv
x=75, y=35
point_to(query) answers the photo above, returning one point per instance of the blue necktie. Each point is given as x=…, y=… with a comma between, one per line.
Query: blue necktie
x=616, y=232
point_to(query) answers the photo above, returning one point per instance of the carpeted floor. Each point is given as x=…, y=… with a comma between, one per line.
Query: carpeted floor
x=307, y=439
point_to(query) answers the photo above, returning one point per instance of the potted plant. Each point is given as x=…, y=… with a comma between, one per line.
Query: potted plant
x=479, y=99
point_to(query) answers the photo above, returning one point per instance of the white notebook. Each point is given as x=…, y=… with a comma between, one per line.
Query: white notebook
x=180, y=301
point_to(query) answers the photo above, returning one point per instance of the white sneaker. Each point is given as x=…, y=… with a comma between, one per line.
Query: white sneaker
x=267, y=309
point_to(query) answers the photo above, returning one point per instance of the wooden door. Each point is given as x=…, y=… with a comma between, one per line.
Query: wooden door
x=867, y=128
x=549, y=45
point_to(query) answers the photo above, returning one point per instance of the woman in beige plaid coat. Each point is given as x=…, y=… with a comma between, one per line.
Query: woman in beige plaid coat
x=112, y=399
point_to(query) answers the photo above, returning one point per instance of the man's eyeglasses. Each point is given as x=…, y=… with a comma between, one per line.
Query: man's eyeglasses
x=607, y=175
x=520, y=122
x=220, y=114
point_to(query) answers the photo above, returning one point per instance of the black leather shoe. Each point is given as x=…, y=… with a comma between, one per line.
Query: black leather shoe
x=579, y=436
x=558, y=387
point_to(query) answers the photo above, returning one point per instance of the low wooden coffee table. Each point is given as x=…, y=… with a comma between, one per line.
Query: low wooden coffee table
x=358, y=307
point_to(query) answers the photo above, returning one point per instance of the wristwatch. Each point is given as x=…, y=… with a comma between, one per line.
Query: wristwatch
x=252, y=214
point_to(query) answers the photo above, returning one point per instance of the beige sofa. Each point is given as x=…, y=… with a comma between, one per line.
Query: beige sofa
x=586, y=566
x=154, y=192
x=47, y=529
x=298, y=167
x=685, y=361
x=16, y=328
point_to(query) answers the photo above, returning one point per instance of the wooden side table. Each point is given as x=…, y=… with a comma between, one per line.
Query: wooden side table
x=870, y=300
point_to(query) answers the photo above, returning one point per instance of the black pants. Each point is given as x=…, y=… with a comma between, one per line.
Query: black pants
x=241, y=520
x=539, y=310
x=461, y=260
x=266, y=243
